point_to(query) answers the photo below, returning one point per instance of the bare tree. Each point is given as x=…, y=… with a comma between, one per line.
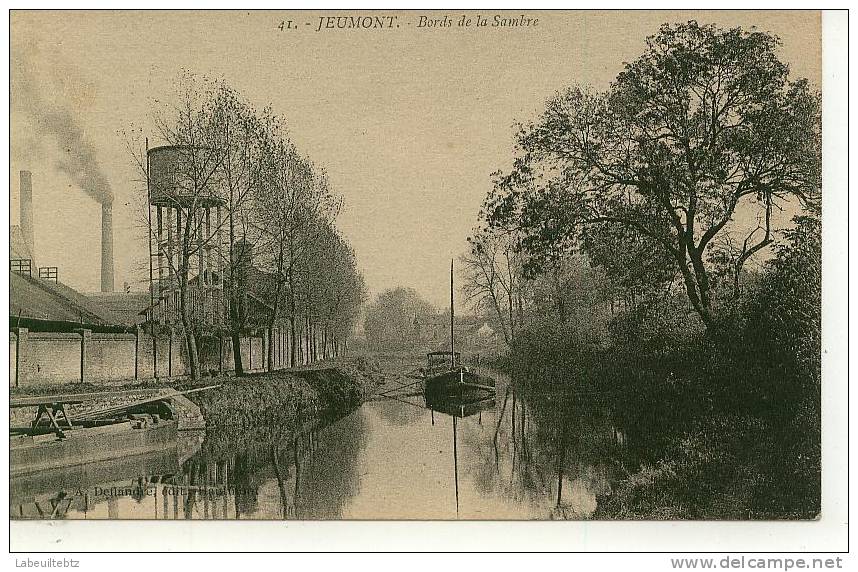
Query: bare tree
x=216, y=153
x=494, y=279
x=290, y=211
x=190, y=127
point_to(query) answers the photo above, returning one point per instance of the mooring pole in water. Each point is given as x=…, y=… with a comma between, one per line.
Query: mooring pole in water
x=456, y=465
x=561, y=460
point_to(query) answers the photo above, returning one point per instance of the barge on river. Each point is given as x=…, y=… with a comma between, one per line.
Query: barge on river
x=53, y=440
x=446, y=378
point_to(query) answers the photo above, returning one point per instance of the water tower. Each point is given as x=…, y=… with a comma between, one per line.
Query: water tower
x=186, y=195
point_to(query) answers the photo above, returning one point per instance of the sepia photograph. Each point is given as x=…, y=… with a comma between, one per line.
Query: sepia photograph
x=404, y=265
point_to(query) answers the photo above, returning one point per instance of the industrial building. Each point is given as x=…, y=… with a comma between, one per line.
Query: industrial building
x=60, y=335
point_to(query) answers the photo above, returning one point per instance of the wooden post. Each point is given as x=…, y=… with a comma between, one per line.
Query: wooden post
x=199, y=222
x=160, y=241
x=170, y=356
x=85, y=338
x=266, y=341
x=154, y=352
x=220, y=355
x=221, y=309
x=21, y=335
x=170, y=247
x=137, y=333
x=179, y=241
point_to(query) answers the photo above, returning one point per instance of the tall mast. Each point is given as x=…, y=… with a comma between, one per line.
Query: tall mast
x=455, y=465
x=452, y=350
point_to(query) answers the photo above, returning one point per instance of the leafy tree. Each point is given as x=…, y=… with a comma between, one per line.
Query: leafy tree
x=705, y=122
x=335, y=292
x=635, y=266
x=390, y=320
x=783, y=317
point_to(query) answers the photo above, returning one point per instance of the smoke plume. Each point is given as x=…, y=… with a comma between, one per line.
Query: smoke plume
x=53, y=125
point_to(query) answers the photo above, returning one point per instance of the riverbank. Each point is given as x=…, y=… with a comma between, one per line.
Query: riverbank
x=706, y=438
x=265, y=398
x=238, y=403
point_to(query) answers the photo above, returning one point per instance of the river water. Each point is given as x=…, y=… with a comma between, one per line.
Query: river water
x=518, y=456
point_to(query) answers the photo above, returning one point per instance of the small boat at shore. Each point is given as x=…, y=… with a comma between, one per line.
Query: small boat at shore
x=53, y=440
x=78, y=446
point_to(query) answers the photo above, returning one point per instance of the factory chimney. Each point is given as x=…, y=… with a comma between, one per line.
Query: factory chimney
x=107, y=247
x=26, y=222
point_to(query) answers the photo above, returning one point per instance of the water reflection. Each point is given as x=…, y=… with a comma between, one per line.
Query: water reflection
x=517, y=456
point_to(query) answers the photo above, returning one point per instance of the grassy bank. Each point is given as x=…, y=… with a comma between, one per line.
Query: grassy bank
x=261, y=407
x=273, y=397
x=721, y=425
x=256, y=406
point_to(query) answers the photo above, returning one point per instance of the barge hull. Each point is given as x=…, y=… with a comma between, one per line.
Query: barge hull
x=31, y=455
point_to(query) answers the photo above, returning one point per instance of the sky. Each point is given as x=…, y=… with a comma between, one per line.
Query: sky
x=408, y=122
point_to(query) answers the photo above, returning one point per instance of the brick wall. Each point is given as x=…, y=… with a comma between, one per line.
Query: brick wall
x=111, y=356
x=49, y=357
x=56, y=358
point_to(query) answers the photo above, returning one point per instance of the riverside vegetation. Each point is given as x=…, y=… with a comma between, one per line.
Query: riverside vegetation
x=659, y=245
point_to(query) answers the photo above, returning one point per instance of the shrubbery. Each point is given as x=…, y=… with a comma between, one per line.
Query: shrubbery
x=726, y=419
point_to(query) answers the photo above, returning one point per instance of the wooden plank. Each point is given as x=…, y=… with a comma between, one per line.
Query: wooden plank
x=31, y=401
x=70, y=398
x=124, y=407
x=120, y=408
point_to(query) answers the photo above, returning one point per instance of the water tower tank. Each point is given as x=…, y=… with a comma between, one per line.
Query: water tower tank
x=179, y=175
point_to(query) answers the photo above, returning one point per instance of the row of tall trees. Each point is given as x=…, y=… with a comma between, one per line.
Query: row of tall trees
x=274, y=238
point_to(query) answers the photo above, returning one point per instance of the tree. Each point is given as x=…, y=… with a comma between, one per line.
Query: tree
x=391, y=321
x=290, y=213
x=635, y=266
x=338, y=291
x=570, y=287
x=222, y=143
x=783, y=314
x=246, y=138
x=276, y=203
x=705, y=122
x=191, y=126
x=494, y=278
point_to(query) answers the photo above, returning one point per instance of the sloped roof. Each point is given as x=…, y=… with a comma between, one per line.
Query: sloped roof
x=43, y=300
x=126, y=307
